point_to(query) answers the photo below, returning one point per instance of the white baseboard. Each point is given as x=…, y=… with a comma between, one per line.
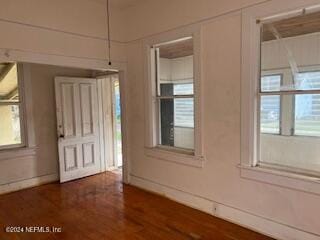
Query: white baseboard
x=32, y=182
x=237, y=216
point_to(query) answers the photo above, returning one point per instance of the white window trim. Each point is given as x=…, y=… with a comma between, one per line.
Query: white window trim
x=249, y=86
x=27, y=148
x=151, y=148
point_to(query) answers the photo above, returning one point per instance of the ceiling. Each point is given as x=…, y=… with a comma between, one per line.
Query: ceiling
x=122, y=4
x=291, y=27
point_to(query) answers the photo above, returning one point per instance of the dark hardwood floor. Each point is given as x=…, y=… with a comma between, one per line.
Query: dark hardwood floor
x=100, y=207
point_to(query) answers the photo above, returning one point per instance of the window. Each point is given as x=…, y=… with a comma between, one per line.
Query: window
x=289, y=95
x=173, y=116
x=11, y=134
x=174, y=83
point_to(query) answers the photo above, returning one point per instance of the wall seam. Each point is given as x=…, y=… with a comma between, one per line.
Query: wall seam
x=134, y=40
x=201, y=21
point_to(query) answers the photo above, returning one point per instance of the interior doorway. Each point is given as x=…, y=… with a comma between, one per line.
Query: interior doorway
x=89, y=125
x=69, y=67
x=112, y=127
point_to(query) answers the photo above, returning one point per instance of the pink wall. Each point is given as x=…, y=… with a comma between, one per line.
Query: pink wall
x=73, y=28
x=219, y=180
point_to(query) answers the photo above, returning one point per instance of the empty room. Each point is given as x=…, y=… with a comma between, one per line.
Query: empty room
x=160, y=119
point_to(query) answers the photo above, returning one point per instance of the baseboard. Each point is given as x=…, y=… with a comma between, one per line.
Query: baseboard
x=32, y=182
x=234, y=215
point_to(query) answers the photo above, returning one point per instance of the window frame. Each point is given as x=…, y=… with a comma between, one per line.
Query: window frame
x=152, y=149
x=21, y=105
x=250, y=66
x=279, y=93
x=158, y=99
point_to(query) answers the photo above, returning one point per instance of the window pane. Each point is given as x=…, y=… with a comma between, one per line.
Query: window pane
x=307, y=115
x=177, y=123
x=183, y=89
x=10, y=125
x=184, y=123
x=167, y=122
x=184, y=137
x=175, y=66
x=291, y=151
x=291, y=46
x=9, y=83
x=166, y=89
x=308, y=81
x=183, y=112
x=299, y=152
x=270, y=83
x=174, y=62
x=270, y=114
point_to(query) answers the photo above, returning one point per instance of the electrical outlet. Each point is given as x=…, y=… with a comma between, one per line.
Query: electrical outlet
x=215, y=208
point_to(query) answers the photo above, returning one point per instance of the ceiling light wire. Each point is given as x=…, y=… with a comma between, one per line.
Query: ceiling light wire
x=109, y=38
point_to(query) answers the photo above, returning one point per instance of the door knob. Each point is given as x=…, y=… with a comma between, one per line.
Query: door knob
x=61, y=136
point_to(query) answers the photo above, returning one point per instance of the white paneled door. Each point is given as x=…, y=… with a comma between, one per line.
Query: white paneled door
x=78, y=127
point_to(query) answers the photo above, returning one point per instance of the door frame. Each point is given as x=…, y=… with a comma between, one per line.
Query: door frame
x=114, y=127
x=83, y=63
x=107, y=113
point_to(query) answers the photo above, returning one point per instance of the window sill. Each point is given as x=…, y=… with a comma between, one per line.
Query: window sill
x=281, y=178
x=17, y=153
x=175, y=156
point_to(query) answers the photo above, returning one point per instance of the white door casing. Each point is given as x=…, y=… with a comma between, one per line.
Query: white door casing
x=77, y=127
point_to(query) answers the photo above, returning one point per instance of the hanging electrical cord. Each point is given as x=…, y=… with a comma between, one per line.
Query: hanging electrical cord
x=109, y=39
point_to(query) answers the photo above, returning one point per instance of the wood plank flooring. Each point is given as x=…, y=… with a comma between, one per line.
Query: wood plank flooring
x=101, y=207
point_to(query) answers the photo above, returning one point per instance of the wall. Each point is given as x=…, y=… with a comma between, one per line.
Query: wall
x=75, y=28
x=70, y=33
x=45, y=162
x=167, y=14
x=217, y=186
x=53, y=28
